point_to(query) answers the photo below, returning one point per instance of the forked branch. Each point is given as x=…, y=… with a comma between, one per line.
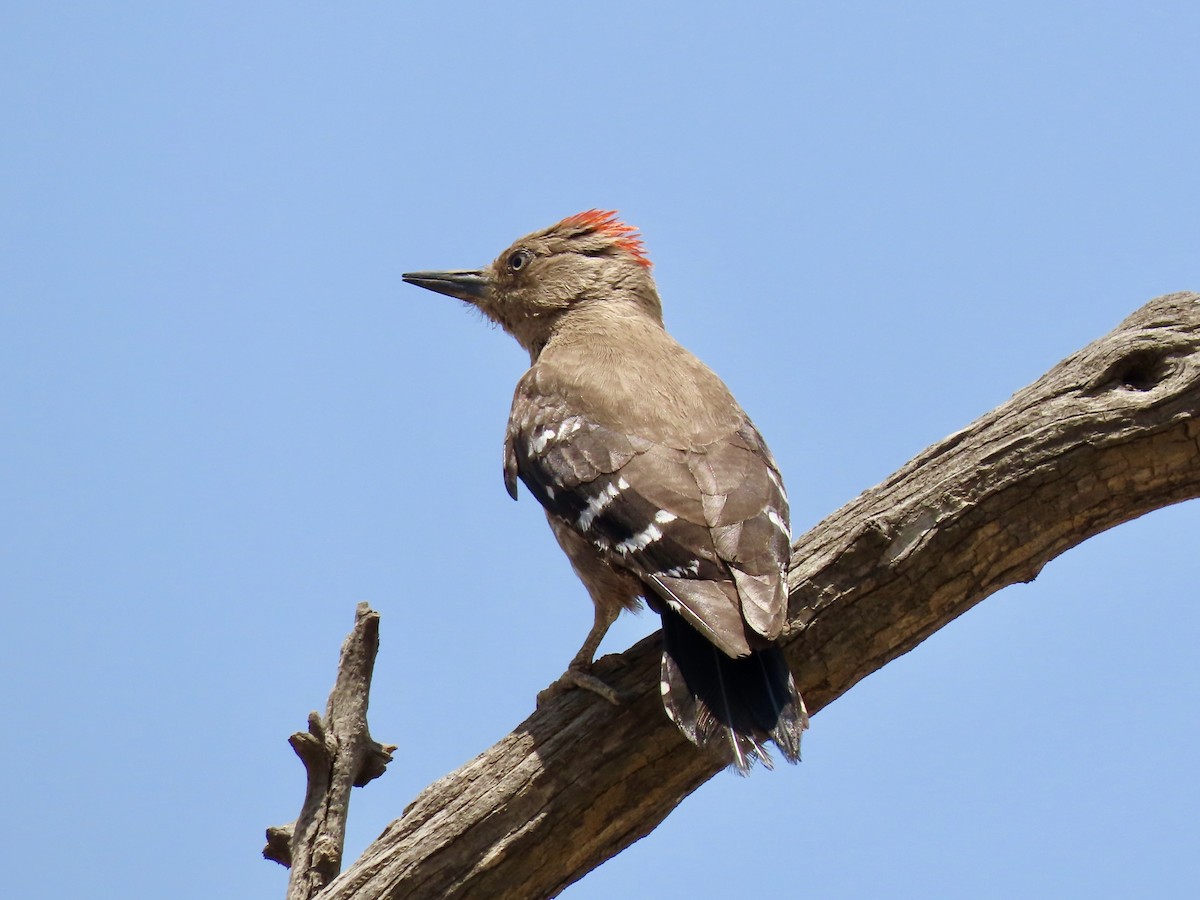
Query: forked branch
x=338, y=753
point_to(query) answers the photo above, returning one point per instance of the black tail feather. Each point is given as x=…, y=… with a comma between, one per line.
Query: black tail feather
x=731, y=706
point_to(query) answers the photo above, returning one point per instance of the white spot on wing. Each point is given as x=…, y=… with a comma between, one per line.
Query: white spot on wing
x=662, y=517
x=779, y=523
x=775, y=480
x=692, y=568
x=596, y=505
x=641, y=540
x=540, y=442
x=672, y=600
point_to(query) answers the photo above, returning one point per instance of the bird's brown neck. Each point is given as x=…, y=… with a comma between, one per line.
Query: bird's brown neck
x=633, y=375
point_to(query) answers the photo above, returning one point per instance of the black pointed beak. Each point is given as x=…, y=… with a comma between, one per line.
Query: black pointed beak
x=464, y=285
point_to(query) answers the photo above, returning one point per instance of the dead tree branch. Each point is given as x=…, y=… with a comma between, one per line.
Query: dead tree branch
x=338, y=752
x=1110, y=433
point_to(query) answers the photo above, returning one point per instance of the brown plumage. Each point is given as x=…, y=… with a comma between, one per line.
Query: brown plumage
x=655, y=482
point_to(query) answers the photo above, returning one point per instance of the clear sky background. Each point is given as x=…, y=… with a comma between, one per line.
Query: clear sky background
x=224, y=420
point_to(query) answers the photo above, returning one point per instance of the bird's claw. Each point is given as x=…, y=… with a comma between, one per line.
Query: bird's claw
x=578, y=677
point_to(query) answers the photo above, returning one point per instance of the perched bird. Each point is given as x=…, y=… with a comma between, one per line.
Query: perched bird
x=655, y=482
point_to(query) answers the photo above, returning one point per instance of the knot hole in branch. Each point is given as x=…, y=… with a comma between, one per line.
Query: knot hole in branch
x=1139, y=370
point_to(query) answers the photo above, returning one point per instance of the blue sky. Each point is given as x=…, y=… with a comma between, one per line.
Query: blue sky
x=225, y=420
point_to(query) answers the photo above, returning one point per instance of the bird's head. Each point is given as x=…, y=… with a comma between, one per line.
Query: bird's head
x=585, y=260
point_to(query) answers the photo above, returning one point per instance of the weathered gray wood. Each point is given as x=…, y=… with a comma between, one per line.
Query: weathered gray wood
x=1110, y=433
x=338, y=752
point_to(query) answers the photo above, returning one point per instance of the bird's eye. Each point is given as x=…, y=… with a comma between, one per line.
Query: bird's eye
x=519, y=260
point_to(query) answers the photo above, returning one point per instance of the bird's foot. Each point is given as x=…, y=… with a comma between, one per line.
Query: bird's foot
x=580, y=677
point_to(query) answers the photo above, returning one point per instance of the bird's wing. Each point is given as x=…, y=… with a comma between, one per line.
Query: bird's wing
x=704, y=529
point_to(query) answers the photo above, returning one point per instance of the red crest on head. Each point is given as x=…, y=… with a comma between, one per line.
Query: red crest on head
x=605, y=221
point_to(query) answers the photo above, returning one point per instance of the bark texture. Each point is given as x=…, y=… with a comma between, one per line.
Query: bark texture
x=1108, y=434
x=338, y=753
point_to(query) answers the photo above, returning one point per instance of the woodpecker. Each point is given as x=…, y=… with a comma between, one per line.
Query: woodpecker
x=654, y=481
